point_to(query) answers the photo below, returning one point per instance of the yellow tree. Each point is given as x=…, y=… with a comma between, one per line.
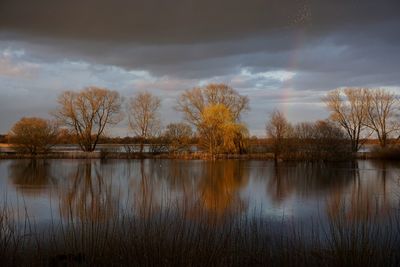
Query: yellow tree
x=219, y=132
x=193, y=102
x=33, y=135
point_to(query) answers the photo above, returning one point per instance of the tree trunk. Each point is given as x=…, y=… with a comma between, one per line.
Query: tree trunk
x=141, y=146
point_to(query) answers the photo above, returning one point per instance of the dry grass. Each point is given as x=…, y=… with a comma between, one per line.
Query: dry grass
x=181, y=237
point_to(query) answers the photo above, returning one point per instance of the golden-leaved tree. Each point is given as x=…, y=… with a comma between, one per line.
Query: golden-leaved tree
x=33, y=135
x=193, y=102
x=219, y=132
x=215, y=111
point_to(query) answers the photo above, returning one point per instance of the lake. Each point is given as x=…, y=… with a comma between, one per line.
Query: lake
x=53, y=190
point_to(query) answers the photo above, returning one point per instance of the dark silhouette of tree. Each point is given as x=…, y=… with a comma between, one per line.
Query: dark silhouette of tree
x=279, y=130
x=178, y=136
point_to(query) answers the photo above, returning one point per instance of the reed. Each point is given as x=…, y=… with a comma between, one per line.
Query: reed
x=182, y=235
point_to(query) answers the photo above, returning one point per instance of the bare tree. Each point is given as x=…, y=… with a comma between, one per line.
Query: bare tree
x=349, y=108
x=304, y=131
x=279, y=130
x=192, y=102
x=33, y=135
x=320, y=140
x=144, y=119
x=88, y=113
x=382, y=113
x=178, y=136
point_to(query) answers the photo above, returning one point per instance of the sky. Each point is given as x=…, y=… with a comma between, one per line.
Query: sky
x=282, y=54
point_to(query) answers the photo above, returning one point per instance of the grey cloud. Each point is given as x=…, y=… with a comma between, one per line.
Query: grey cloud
x=174, y=21
x=181, y=43
x=182, y=21
x=305, y=49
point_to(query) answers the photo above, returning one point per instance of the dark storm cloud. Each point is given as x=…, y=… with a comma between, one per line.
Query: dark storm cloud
x=182, y=21
x=182, y=43
x=199, y=39
x=173, y=21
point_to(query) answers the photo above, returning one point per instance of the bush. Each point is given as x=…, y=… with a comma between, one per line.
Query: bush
x=33, y=135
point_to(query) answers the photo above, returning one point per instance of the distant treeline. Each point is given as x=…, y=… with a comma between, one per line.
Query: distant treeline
x=213, y=123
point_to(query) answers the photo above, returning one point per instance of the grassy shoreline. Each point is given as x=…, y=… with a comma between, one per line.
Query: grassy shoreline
x=191, y=156
x=122, y=155
x=181, y=238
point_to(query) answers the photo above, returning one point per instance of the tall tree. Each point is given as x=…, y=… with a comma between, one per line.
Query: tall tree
x=144, y=119
x=349, y=108
x=193, y=102
x=88, y=112
x=382, y=113
x=278, y=130
x=33, y=135
x=219, y=133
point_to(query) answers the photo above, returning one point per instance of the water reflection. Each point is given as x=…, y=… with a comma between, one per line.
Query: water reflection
x=86, y=195
x=31, y=176
x=147, y=190
x=368, y=196
x=210, y=186
x=98, y=190
x=220, y=184
x=306, y=180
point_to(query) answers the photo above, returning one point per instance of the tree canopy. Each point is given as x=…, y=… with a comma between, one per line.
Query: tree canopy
x=348, y=107
x=219, y=133
x=144, y=119
x=178, y=135
x=193, y=102
x=88, y=112
x=33, y=135
x=363, y=111
x=278, y=130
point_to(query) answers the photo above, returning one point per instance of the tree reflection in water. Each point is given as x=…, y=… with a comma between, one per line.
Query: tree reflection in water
x=367, y=197
x=191, y=187
x=147, y=200
x=98, y=190
x=304, y=180
x=357, y=193
x=87, y=196
x=31, y=176
x=220, y=186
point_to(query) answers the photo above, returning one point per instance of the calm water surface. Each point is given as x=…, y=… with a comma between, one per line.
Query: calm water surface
x=47, y=190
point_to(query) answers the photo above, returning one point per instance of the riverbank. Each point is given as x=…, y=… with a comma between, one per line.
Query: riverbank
x=109, y=152
x=147, y=155
x=187, y=156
